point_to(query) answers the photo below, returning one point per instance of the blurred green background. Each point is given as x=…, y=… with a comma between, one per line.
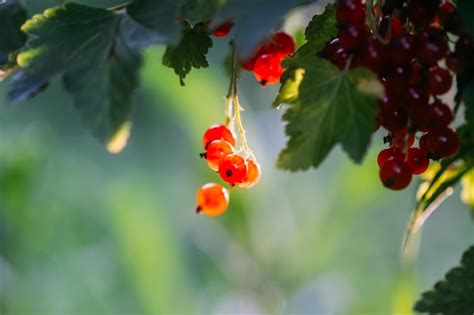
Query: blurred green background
x=86, y=232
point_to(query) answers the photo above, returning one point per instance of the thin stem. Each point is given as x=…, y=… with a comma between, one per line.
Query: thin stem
x=233, y=104
x=240, y=127
x=232, y=88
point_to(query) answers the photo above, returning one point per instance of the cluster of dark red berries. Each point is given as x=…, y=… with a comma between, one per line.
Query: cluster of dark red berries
x=409, y=41
x=243, y=172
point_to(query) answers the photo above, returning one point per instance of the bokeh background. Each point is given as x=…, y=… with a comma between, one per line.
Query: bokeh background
x=86, y=232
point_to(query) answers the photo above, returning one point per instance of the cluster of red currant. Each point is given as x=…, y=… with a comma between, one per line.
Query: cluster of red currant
x=404, y=45
x=266, y=60
x=243, y=172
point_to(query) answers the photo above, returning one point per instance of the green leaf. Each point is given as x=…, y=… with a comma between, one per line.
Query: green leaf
x=96, y=52
x=319, y=31
x=158, y=15
x=104, y=95
x=330, y=107
x=199, y=10
x=190, y=52
x=62, y=37
x=453, y=295
x=12, y=17
x=466, y=10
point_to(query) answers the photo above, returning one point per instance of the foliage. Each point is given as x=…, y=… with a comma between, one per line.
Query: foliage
x=454, y=294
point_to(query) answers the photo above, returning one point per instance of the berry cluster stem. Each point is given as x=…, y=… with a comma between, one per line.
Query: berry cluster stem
x=233, y=107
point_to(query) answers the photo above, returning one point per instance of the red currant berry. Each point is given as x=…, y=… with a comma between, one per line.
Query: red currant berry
x=450, y=18
x=354, y=37
x=439, y=80
x=212, y=199
x=282, y=43
x=417, y=160
x=268, y=69
x=403, y=49
x=396, y=27
x=433, y=45
x=350, y=12
x=417, y=96
x=423, y=143
x=441, y=143
x=233, y=168
x=395, y=174
x=393, y=118
x=373, y=55
x=253, y=175
x=223, y=29
x=418, y=117
x=454, y=63
x=438, y=115
x=218, y=132
x=388, y=154
x=216, y=151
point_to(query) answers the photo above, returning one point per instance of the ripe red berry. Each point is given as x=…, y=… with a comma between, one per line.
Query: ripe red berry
x=396, y=27
x=388, y=154
x=216, y=151
x=395, y=174
x=441, y=143
x=218, y=132
x=282, y=43
x=403, y=49
x=417, y=96
x=393, y=118
x=373, y=55
x=417, y=160
x=253, y=175
x=439, y=80
x=268, y=69
x=438, y=115
x=454, y=63
x=212, y=199
x=223, y=29
x=354, y=37
x=350, y=12
x=433, y=45
x=233, y=168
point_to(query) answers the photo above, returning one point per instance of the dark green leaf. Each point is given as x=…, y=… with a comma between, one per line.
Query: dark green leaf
x=319, y=31
x=139, y=36
x=466, y=10
x=24, y=86
x=330, y=107
x=190, y=52
x=158, y=15
x=62, y=37
x=12, y=17
x=103, y=94
x=455, y=294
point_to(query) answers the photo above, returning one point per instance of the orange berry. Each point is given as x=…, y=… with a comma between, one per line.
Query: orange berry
x=218, y=132
x=233, y=168
x=212, y=199
x=216, y=151
x=253, y=175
